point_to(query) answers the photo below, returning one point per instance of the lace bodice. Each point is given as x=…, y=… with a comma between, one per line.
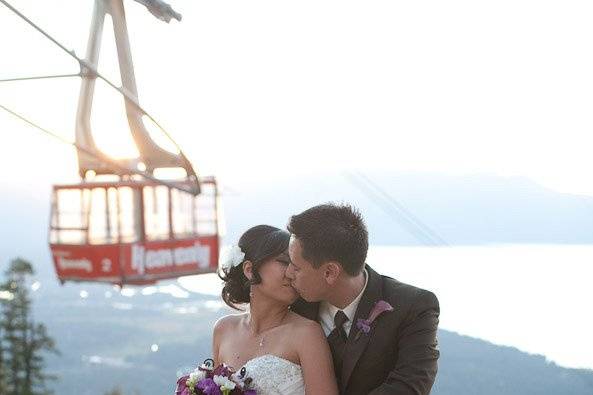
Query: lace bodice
x=273, y=375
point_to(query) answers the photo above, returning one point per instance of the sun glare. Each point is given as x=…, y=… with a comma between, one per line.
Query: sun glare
x=109, y=124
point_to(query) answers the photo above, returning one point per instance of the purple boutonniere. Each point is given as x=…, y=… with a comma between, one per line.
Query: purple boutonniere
x=364, y=325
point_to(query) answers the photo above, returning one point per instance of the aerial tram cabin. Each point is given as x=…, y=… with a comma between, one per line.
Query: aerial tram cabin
x=132, y=232
x=121, y=224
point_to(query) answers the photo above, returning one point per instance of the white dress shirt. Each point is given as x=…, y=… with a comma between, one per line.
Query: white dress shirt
x=328, y=311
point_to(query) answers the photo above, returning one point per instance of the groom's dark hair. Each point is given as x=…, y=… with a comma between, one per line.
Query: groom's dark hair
x=332, y=232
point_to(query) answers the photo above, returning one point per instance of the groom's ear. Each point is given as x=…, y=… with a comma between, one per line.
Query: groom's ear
x=331, y=272
x=248, y=270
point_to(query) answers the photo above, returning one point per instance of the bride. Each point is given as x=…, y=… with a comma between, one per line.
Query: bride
x=281, y=351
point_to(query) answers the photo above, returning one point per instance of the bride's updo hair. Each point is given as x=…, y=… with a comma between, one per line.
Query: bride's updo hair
x=260, y=243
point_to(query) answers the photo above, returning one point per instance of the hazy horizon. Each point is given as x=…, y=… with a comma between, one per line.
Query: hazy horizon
x=457, y=87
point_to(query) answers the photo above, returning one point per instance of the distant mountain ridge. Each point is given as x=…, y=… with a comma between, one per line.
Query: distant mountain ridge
x=106, y=340
x=462, y=210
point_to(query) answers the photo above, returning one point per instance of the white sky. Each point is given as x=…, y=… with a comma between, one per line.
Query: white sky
x=268, y=87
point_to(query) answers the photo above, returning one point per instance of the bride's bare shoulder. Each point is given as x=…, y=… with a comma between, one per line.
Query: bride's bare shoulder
x=228, y=322
x=303, y=326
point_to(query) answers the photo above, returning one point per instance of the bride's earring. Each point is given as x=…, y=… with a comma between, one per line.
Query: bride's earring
x=247, y=286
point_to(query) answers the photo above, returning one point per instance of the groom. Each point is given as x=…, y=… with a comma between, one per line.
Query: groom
x=382, y=333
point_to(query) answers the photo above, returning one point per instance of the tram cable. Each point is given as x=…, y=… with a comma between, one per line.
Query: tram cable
x=133, y=230
x=41, y=77
x=93, y=154
x=89, y=69
x=395, y=209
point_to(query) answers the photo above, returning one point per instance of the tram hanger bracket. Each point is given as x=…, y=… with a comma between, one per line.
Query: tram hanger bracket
x=160, y=10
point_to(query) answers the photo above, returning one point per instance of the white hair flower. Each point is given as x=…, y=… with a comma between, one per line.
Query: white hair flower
x=231, y=257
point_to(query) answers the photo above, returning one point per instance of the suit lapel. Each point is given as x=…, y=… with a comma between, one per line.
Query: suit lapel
x=357, y=344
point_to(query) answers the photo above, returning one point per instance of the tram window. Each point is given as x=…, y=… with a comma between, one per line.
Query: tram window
x=181, y=207
x=206, y=215
x=113, y=213
x=129, y=214
x=69, y=216
x=101, y=230
x=156, y=212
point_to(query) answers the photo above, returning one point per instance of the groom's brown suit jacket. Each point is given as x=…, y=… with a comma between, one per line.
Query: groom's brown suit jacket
x=399, y=355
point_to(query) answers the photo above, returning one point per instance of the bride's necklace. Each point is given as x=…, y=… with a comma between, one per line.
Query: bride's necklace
x=262, y=336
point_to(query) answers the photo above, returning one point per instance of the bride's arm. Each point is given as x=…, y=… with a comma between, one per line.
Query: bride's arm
x=316, y=360
x=216, y=337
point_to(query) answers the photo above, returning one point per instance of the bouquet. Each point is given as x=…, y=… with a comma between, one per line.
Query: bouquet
x=208, y=380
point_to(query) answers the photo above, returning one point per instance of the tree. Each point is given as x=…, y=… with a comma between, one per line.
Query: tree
x=34, y=364
x=3, y=373
x=22, y=341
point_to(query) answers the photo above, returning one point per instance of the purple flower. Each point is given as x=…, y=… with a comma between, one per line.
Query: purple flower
x=364, y=325
x=223, y=370
x=181, y=386
x=208, y=387
x=380, y=307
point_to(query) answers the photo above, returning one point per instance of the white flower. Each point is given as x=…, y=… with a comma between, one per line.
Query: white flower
x=231, y=257
x=197, y=375
x=224, y=383
x=208, y=365
x=190, y=382
x=237, y=379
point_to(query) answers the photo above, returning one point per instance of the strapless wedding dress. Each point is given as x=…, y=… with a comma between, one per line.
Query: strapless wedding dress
x=273, y=375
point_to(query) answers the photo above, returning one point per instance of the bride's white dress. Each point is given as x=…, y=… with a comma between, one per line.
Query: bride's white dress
x=273, y=375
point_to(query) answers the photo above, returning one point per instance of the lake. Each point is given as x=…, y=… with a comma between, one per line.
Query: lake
x=536, y=298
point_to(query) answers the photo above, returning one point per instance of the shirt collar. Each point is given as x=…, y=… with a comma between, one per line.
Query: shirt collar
x=349, y=310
